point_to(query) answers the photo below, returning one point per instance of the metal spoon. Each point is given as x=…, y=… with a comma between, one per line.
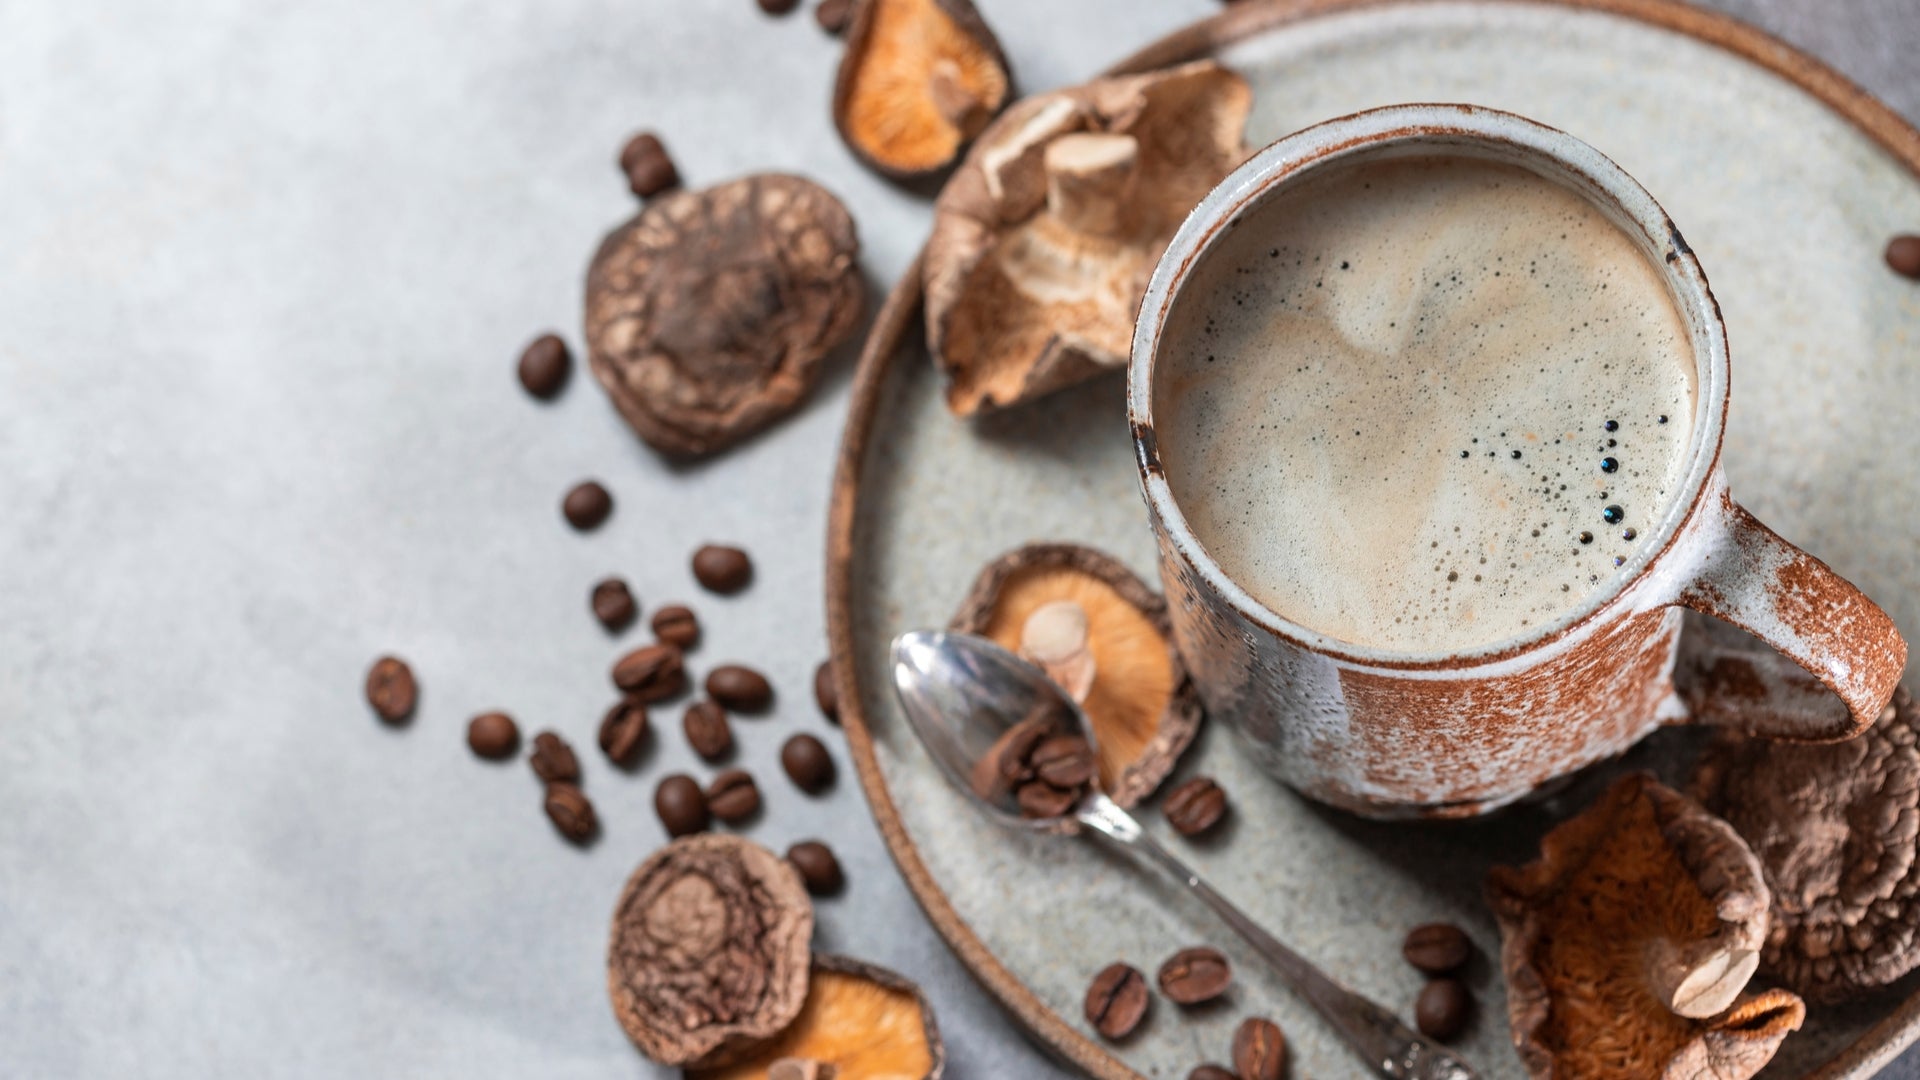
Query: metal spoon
x=961, y=692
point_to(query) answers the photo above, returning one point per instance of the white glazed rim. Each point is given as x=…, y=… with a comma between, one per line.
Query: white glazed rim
x=1560, y=157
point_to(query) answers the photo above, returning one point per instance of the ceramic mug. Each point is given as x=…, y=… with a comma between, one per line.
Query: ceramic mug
x=1394, y=734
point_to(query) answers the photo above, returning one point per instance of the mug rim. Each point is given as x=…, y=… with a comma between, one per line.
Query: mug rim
x=1314, y=148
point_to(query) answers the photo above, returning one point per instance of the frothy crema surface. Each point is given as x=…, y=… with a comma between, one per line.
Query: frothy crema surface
x=1424, y=404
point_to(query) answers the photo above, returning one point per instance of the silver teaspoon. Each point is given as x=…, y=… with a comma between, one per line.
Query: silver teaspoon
x=962, y=692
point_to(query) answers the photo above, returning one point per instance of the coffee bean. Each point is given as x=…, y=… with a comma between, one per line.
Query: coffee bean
x=825, y=693
x=1441, y=1010
x=552, y=759
x=1903, y=255
x=544, y=366
x=651, y=673
x=613, y=604
x=834, y=15
x=1195, y=806
x=1437, y=948
x=1259, y=1049
x=649, y=168
x=807, y=763
x=391, y=689
x=571, y=813
x=733, y=796
x=739, y=688
x=1194, y=975
x=1117, y=1001
x=681, y=804
x=1039, y=799
x=818, y=867
x=722, y=569
x=587, y=505
x=676, y=626
x=1065, y=761
x=778, y=7
x=707, y=730
x=1211, y=1072
x=622, y=731
x=493, y=735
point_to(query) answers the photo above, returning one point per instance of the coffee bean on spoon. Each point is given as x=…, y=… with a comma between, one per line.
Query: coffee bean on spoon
x=1259, y=1049
x=1116, y=1001
x=1437, y=948
x=675, y=625
x=708, y=731
x=544, y=366
x=739, y=688
x=807, y=763
x=493, y=735
x=722, y=569
x=826, y=693
x=1039, y=799
x=552, y=759
x=1196, y=975
x=391, y=689
x=613, y=604
x=1065, y=761
x=818, y=867
x=1442, y=1009
x=567, y=807
x=622, y=731
x=587, y=505
x=1195, y=806
x=681, y=804
x=733, y=797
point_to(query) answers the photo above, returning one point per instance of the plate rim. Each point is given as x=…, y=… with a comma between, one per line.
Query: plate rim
x=899, y=314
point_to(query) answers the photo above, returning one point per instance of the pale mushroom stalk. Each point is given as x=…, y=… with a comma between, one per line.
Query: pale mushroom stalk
x=1055, y=637
x=1090, y=181
x=1697, y=979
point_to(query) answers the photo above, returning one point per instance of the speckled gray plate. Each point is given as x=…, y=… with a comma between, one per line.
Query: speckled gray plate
x=1787, y=179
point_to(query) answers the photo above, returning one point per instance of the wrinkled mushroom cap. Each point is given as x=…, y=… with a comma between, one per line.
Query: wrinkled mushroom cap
x=709, y=951
x=709, y=314
x=1143, y=708
x=866, y=1022
x=1044, y=239
x=919, y=79
x=1627, y=944
x=1835, y=827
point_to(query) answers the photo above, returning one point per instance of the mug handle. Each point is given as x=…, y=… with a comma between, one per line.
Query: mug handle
x=1749, y=577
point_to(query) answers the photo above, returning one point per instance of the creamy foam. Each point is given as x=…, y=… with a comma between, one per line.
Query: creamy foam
x=1424, y=405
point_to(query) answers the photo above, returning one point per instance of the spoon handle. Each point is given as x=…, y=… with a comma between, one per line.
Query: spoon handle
x=1375, y=1034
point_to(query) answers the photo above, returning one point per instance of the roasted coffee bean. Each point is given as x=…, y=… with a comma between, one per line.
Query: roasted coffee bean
x=544, y=365
x=571, y=813
x=1903, y=255
x=733, y=796
x=833, y=15
x=622, y=731
x=587, y=505
x=1003, y=767
x=681, y=804
x=739, y=688
x=1194, y=975
x=1259, y=1049
x=1039, y=799
x=825, y=693
x=707, y=730
x=1195, y=806
x=651, y=673
x=778, y=7
x=391, y=689
x=807, y=763
x=1065, y=761
x=1441, y=1010
x=676, y=626
x=1211, y=1072
x=493, y=735
x=722, y=569
x=613, y=604
x=818, y=867
x=648, y=166
x=1117, y=1001
x=1437, y=948
x=552, y=759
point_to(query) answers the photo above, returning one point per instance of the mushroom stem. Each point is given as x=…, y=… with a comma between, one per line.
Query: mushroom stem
x=1701, y=981
x=957, y=102
x=1055, y=637
x=1090, y=181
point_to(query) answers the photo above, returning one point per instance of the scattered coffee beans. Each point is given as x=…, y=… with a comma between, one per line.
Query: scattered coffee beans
x=722, y=569
x=649, y=169
x=733, y=797
x=1195, y=806
x=1903, y=255
x=613, y=604
x=587, y=505
x=493, y=735
x=622, y=732
x=1259, y=1049
x=739, y=688
x=651, y=673
x=391, y=689
x=825, y=693
x=707, y=730
x=544, y=366
x=1211, y=1072
x=1437, y=948
x=1117, y=1001
x=1441, y=1010
x=1195, y=975
x=676, y=626
x=778, y=7
x=1065, y=761
x=818, y=867
x=834, y=15
x=681, y=804
x=571, y=813
x=807, y=763
x=552, y=759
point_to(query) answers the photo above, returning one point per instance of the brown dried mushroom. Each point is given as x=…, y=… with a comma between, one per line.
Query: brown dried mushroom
x=1044, y=240
x=709, y=313
x=860, y=1022
x=1103, y=635
x=709, y=952
x=920, y=78
x=1835, y=827
x=1627, y=944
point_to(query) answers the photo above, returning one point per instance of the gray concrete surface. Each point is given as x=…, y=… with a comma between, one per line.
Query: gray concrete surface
x=264, y=268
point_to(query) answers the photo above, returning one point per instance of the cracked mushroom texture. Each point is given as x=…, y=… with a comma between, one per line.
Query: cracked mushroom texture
x=709, y=315
x=860, y=1022
x=1627, y=946
x=1044, y=239
x=1835, y=827
x=919, y=79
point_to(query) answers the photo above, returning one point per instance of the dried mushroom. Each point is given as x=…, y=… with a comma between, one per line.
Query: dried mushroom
x=1835, y=827
x=1628, y=943
x=709, y=952
x=860, y=1022
x=1103, y=635
x=919, y=80
x=709, y=314
x=1044, y=240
